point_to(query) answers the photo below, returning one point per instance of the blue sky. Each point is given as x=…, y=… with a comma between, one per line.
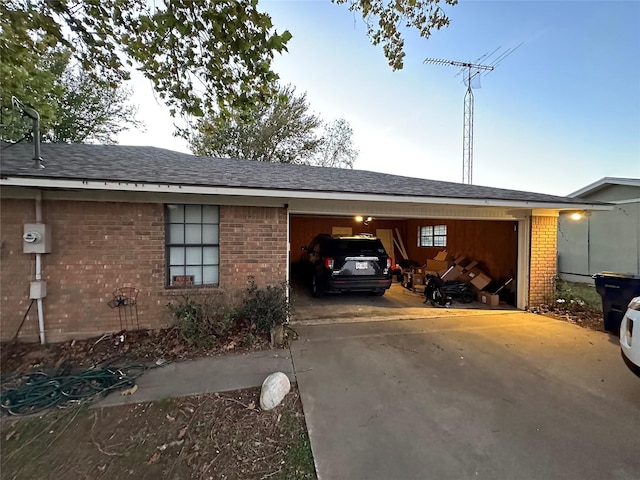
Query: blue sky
x=559, y=113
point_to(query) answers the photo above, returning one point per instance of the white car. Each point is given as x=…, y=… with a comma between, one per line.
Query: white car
x=630, y=346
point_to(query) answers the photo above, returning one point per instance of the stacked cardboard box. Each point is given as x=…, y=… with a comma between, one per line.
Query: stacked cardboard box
x=440, y=263
x=470, y=272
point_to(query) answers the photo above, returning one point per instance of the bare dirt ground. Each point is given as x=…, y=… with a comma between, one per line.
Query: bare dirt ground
x=130, y=346
x=586, y=317
x=217, y=436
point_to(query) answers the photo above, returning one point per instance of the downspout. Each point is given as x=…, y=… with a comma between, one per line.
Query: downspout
x=39, y=269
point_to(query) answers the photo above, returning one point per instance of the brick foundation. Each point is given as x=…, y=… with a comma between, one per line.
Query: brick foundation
x=543, y=267
x=98, y=247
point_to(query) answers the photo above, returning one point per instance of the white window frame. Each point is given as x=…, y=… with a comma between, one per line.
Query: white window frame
x=192, y=245
x=432, y=236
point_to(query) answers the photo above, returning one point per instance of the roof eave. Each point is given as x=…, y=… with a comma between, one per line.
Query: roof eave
x=595, y=186
x=119, y=186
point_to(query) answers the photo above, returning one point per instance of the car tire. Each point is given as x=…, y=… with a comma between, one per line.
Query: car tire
x=378, y=293
x=316, y=288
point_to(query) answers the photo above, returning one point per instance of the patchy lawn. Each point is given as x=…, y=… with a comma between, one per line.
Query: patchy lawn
x=577, y=303
x=215, y=436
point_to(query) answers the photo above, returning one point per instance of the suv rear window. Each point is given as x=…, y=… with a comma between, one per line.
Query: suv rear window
x=355, y=247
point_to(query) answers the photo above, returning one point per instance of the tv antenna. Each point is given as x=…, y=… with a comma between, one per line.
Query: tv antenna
x=471, y=72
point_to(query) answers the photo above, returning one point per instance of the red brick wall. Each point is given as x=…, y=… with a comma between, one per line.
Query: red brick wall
x=17, y=269
x=543, y=268
x=98, y=247
x=253, y=243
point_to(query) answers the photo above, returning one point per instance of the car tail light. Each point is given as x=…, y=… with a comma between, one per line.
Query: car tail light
x=388, y=262
x=328, y=263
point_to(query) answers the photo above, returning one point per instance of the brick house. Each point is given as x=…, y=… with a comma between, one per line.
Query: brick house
x=171, y=224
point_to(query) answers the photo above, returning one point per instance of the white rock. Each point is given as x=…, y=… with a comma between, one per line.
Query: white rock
x=274, y=389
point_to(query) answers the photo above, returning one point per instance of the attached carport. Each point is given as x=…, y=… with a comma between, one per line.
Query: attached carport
x=511, y=238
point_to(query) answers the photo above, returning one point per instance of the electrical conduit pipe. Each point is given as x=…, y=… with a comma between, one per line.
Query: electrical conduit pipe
x=39, y=270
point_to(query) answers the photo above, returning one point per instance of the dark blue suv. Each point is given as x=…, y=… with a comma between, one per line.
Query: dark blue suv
x=339, y=264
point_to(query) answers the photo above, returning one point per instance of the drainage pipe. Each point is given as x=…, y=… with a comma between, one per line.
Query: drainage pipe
x=39, y=269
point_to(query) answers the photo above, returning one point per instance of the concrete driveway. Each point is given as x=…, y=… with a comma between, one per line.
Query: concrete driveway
x=497, y=395
x=397, y=303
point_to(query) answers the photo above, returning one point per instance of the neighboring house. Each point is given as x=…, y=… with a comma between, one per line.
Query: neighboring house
x=173, y=224
x=602, y=241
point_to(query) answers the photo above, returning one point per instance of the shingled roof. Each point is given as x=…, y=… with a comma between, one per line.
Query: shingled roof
x=152, y=165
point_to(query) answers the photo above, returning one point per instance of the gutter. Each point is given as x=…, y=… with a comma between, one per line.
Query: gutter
x=312, y=195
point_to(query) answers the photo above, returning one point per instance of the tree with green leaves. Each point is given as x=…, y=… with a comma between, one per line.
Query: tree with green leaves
x=336, y=146
x=280, y=130
x=90, y=111
x=74, y=107
x=201, y=57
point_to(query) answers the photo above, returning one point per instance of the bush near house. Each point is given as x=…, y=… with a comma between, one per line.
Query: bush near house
x=250, y=314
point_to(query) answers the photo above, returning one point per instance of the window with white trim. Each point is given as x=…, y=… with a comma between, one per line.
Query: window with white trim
x=192, y=245
x=432, y=236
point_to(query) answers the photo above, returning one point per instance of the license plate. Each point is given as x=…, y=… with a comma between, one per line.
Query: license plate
x=362, y=265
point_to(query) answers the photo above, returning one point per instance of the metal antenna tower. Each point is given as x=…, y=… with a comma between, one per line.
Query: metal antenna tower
x=471, y=71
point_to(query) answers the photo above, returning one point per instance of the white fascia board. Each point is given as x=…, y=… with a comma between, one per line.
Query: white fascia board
x=625, y=202
x=55, y=183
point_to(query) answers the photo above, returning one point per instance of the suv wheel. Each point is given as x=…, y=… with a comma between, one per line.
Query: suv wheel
x=378, y=293
x=316, y=289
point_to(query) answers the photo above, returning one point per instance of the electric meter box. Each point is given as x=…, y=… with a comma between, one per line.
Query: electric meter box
x=36, y=238
x=37, y=289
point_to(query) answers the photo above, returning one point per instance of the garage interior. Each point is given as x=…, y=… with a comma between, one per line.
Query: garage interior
x=492, y=243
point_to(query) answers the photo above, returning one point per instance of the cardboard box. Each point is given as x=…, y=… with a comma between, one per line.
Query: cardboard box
x=489, y=299
x=439, y=266
x=470, y=266
x=442, y=256
x=480, y=281
x=452, y=273
x=461, y=260
x=470, y=274
x=417, y=274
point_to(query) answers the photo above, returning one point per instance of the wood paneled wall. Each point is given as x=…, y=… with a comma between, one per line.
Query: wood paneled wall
x=492, y=243
x=304, y=228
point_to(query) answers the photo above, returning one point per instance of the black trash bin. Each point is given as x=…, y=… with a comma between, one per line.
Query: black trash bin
x=616, y=290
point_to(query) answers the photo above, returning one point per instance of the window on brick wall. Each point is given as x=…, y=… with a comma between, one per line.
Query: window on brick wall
x=432, y=236
x=192, y=245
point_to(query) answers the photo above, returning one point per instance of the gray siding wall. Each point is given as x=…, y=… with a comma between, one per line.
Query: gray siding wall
x=605, y=241
x=614, y=193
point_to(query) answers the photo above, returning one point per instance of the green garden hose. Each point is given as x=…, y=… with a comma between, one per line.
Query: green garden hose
x=38, y=391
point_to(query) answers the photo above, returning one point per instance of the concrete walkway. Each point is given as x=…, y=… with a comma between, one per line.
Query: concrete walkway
x=205, y=375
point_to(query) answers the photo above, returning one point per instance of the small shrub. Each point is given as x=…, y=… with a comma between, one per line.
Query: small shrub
x=200, y=323
x=194, y=330
x=220, y=315
x=248, y=340
x=265, y=307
